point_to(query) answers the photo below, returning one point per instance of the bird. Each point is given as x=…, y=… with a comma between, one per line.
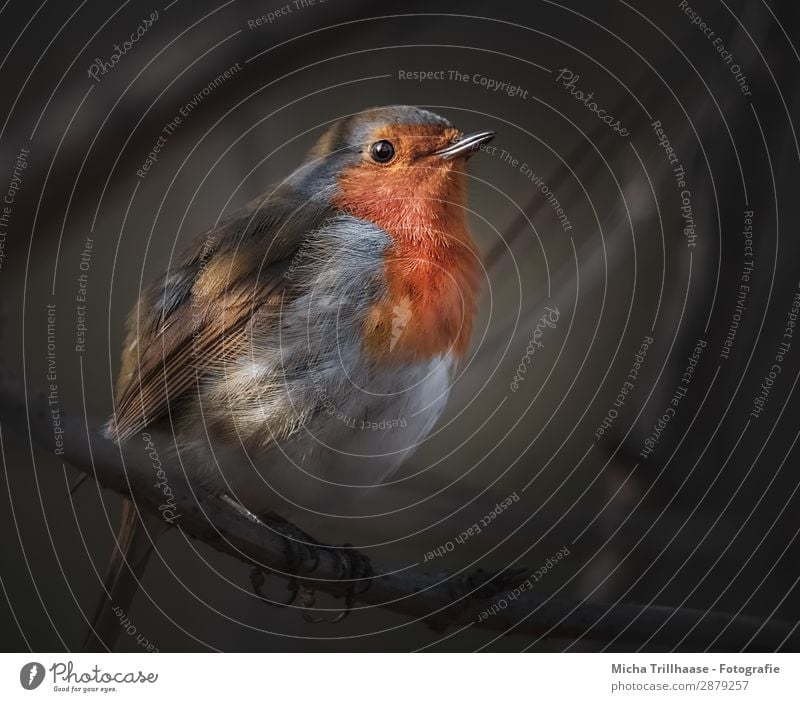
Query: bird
x=305, y=345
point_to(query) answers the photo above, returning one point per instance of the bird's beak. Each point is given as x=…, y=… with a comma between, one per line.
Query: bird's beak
x=465, y=145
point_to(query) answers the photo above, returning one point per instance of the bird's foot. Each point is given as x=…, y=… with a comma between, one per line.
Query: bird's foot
x=302, y=557
x=301, y=552
x=257, y=580
x=356, y=570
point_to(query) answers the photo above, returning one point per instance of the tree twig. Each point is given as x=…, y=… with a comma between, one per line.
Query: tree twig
x=497, y=601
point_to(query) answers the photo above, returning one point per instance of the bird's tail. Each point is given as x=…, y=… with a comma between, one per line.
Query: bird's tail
x=125, y=570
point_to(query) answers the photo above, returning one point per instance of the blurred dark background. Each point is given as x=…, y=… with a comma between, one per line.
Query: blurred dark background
x=708, y=519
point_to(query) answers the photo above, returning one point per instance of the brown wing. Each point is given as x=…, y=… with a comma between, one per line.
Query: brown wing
x=198, y=316
x=165, y=368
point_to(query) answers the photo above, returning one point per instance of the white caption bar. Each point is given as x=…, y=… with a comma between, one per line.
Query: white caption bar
x=388, y=677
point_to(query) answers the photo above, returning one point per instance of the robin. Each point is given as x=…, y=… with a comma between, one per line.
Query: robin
x=306, y=344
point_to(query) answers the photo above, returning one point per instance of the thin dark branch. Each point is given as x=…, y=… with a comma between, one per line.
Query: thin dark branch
x=442, y=599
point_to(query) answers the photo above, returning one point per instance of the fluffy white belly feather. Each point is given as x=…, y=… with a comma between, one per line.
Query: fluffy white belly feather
x=345, y=449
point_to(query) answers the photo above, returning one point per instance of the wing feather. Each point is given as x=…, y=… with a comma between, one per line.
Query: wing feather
x=199, y=315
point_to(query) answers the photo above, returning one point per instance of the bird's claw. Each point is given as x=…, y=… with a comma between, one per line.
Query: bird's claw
x=301, y=549
x=302, y=556
x=354, y=568
x=258, y=578
x=308, y=598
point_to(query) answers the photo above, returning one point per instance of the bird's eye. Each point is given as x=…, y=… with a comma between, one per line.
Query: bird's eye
x=382, y=151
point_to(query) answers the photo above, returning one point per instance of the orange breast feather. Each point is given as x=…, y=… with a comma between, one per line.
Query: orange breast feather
x=431, y=268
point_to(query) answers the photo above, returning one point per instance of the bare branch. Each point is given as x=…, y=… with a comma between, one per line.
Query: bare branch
x=497, y=601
